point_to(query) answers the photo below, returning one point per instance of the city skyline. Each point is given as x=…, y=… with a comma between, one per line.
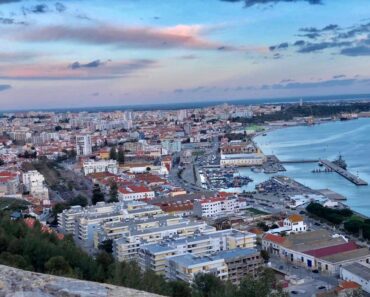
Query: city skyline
x=85, y=53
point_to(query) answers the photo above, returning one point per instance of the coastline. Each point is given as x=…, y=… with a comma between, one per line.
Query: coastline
x=269, y=129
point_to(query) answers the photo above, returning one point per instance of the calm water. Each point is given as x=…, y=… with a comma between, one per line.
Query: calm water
x=326, y=141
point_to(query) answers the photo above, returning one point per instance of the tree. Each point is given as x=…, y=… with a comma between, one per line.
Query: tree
x=113, y=192
x=58, y=266
x=263, y=226
x=98, y=196
x=79, y=200
x=207, y=285
x=121, y=156
x=113, y=153
x=179, y=289
x=265, y=255
x=107, y=246
x=2, y=162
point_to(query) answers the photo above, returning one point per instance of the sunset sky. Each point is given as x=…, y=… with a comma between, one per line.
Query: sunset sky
x=76, y=53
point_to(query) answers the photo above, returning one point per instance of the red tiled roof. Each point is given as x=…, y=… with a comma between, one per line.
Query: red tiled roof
x=274, y=238
x=332, y=250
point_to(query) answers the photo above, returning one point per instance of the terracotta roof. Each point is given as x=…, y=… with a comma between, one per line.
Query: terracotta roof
x=345, y=285
x=331, y=250
x=274, y=238
x=295, y=218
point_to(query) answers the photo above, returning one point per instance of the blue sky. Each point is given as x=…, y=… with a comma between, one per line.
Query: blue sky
x=75, y=53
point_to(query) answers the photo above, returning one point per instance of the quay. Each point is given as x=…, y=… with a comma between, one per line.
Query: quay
x=299, y=161
x=349, y=176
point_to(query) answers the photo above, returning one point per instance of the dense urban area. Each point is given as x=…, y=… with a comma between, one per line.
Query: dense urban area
x=153, y=200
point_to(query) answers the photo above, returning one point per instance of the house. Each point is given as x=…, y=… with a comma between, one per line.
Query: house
x=316, y=250
x=358, y=273
x=132, y=192
x=295, y=223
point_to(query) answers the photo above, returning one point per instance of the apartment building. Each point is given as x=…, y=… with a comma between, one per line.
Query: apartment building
x=230, y=265
x=92, y=166
x=153, y=256
x=34, y=182
x=127, y=246
x=214, y=206
x=83, y=145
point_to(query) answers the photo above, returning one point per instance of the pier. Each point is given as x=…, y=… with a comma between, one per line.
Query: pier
x=299, y=161
x=349, y=176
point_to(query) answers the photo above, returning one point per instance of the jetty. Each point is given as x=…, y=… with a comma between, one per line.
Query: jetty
x=300, y=161
x=346, y=174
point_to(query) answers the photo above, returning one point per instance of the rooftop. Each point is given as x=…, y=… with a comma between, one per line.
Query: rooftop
x=359, y=269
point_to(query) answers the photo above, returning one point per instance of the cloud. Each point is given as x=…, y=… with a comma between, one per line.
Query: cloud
x=11, y=21
x=249, y=3
x=37, y=9
x=9, y=1
x=145, y=37
x=339, y=76
x=60, y=7
x=283, y=45
x=5, y=87
x=356, y=51
x=61, y=72
x=16, y=56
x=93, y=64
x=180, y=36
x=315, y=47
x=318, y=84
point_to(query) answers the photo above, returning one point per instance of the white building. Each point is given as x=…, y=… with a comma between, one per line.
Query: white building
x=34, y=182
x=153, y=256
x=132, y=192
x=215, y=206
x=295, y=223
x=358, y=273
x=232, y=265
x=83, y=145
x=242, y=160
x=92, y=166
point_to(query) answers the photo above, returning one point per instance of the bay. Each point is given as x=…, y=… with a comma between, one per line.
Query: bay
x=351, y=139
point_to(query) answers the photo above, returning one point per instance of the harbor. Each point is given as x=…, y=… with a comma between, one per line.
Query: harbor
x=343, y=172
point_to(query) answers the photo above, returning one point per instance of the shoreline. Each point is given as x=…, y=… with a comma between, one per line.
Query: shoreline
x=269, y=129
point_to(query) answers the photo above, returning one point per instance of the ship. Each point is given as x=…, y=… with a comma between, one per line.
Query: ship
x=340, y=162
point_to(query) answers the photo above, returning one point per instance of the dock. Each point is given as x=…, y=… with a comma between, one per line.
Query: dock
x=346, y=174
x=300, y=161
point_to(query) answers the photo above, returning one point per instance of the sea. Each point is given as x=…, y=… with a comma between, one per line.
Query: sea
x=201, y=104
x=351, y=139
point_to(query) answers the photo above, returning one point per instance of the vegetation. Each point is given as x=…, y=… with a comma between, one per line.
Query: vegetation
x=113, y=153
x=288, y=112
x=79, y=200
x=31, y=249
x=334, y=216
x=98, y=196
x=113, y=192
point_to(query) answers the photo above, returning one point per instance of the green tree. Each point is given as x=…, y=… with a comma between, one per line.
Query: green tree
x=207, y=285
x=121, y=155
x=79, y=200
x=2, y=162
x=113, y=153
x=58, y=265
x=265, y=255
x=113, y=191
x=98, y=196
x=179, y=289
x=107, y=246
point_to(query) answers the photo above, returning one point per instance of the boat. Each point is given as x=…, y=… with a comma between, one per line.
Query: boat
x=340, y=162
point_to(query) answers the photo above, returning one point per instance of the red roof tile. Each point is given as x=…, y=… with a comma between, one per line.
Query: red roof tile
x=332, y=250
x=274, y=238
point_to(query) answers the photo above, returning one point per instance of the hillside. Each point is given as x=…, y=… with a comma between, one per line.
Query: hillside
x=16, y=282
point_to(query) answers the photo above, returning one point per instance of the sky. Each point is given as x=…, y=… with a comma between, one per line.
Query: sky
x=77, y=53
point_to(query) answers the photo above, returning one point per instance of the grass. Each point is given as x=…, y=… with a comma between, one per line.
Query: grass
x=256, y=211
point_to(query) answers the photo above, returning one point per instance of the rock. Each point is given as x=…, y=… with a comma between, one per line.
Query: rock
x=19, y=283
